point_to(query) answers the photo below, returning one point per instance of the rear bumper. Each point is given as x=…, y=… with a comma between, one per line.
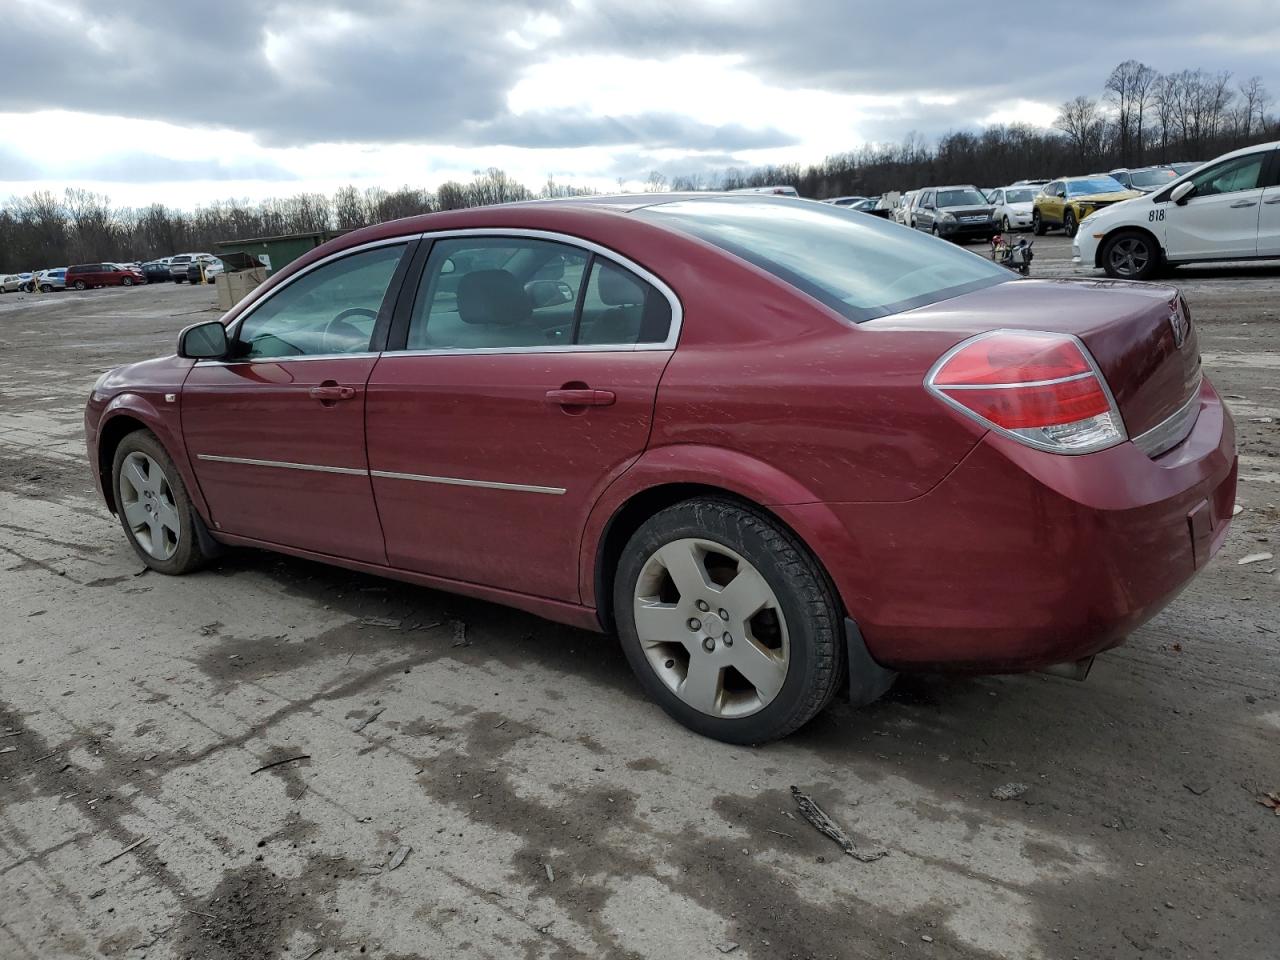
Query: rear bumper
x=1021, y=559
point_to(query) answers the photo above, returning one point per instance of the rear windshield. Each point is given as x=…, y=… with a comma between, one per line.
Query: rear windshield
x=862, y=267
x=1153, y=178
x=1080, y=188
x=1021, y=195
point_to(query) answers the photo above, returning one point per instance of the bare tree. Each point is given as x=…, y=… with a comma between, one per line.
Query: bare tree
x=656, y=182
x=1083, y=123
x=1253, y=105
x=1129, y=90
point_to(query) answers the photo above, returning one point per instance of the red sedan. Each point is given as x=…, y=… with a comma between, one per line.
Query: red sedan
x=777, y=447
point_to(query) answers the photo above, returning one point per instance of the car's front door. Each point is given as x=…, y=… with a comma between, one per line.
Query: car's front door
x=524, y=384
x=276, y=433
x=1269, y=212
x=1051, y=209
x=1220, y=218
x=924, y=213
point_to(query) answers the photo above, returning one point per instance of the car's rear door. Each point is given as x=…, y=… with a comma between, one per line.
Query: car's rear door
x=1220, y=218
x=276, y=434
x=518, y=383
x=1269, y=211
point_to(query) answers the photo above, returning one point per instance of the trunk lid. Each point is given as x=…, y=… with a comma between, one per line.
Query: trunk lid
x=1140, y=334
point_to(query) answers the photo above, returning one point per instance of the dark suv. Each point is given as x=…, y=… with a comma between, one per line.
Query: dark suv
x=957, y=213
x=86, y=275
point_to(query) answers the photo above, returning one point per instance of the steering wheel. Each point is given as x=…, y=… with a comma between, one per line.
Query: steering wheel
x=343, y=328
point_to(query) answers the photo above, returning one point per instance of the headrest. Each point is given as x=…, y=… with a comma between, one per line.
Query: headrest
x=619, y=288
x=493, y=297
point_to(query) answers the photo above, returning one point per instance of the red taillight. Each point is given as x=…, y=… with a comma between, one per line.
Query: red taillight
x=1042, y=389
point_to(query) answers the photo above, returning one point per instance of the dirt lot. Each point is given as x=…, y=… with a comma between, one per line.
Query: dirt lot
x=550, y=810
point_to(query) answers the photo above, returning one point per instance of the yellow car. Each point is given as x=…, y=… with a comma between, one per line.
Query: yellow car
x=1068, y=200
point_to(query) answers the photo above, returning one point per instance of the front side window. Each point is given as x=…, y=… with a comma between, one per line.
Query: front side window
x=329, y=310
x=862, y=267
x=1242, y=173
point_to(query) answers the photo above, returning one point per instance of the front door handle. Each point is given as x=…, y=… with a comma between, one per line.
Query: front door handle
x=331, y=393
x=584, y=397
x=1244, y=203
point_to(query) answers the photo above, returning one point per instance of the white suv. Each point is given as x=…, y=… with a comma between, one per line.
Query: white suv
x=1227, y=209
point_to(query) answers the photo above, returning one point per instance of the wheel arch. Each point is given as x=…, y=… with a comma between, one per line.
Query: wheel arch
x=1126, y=228
x=653, y=486
x=130, y=412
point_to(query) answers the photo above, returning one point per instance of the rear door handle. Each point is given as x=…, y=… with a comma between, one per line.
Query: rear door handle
x=581, y=397
x=1272, y=200
x=1244, y=203
x=331, y=392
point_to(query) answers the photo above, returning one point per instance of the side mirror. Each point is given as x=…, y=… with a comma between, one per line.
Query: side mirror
x=1181, y=192
x=204, y=341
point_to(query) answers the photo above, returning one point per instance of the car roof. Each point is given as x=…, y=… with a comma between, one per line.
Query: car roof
x=954, y=186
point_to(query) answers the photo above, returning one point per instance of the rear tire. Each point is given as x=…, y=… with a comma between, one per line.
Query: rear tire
x=79, y=284
x=154, y=508
x=1131, y=255
x=759, y=673
x=178, y=279
x=1037, y=224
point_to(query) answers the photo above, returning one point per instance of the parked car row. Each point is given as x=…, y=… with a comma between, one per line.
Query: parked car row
x=186, y=267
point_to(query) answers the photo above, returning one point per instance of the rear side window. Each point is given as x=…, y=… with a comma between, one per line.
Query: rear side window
x=621, y=308
x=862, y=267
x=328, y=310
x=513, y=293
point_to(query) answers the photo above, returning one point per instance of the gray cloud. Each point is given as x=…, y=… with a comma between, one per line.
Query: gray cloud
x=149, y=168
x=296, y=72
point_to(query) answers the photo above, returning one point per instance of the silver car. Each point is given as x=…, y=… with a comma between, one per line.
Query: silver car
x=1012, y=206
x=10, y=283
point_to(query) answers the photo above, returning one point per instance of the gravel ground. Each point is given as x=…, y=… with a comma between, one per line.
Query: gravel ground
x=549, y=810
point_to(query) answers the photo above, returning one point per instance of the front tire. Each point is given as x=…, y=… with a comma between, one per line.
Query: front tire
x=1004, y=225
x=127, y=282
x=154, y=508
x=1069, y=225
x=728, y=622
x=1131, y=255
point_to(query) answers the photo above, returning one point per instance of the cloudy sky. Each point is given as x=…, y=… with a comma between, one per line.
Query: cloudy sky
x=193, y=102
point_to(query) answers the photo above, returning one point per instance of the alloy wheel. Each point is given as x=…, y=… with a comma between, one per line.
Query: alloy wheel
x=147, y=502
x=1129, y=256
x=711, y=628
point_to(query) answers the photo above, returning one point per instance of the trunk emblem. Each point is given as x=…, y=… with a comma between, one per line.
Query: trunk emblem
x=1180, y=325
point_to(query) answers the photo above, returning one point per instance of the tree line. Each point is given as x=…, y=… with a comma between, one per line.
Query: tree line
x=1140, y=116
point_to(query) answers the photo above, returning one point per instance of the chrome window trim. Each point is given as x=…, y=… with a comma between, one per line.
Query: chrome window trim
x=234, y=327
x=460, y=482
x=673, y=335
x=497, y=233
x=1175, y=428
x=310, y=356
x=284, y=465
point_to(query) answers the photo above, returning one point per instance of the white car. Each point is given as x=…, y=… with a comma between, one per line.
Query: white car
x=902, y=210
x=1013, y=206
x=1227, y=209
